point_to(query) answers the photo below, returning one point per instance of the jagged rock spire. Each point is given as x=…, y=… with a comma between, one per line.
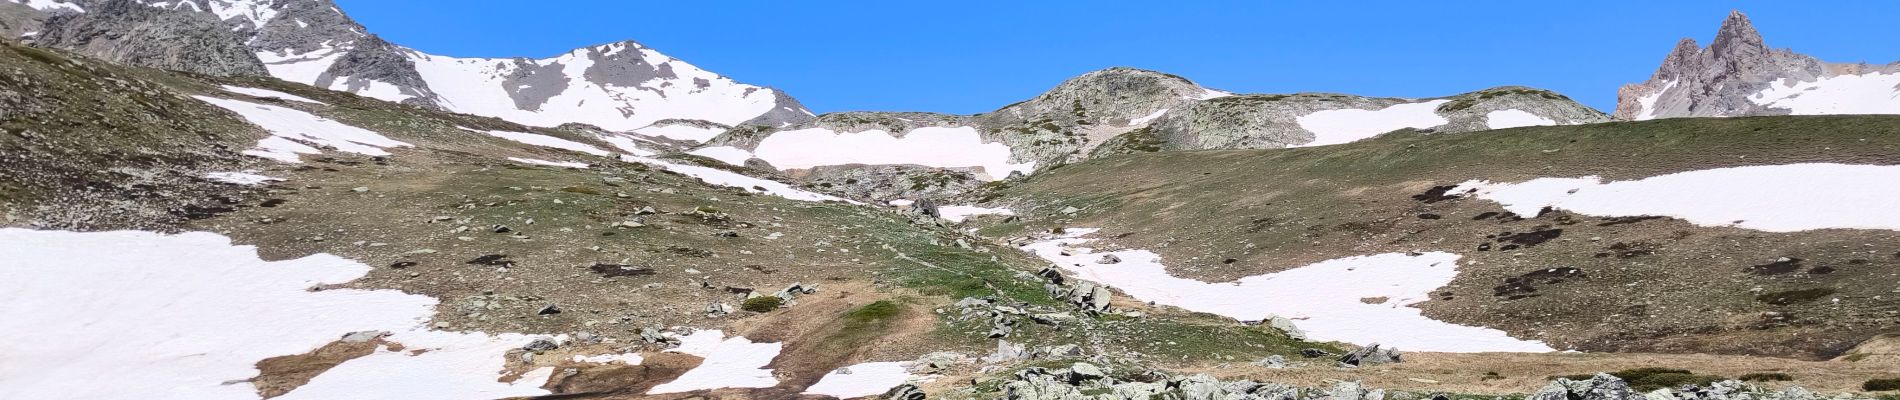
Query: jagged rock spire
x=1737, y=40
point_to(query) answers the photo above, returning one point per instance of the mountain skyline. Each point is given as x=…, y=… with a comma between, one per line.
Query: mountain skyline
x=811, y=54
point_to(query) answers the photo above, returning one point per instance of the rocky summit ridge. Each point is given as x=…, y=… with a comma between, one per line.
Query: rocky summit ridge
x=1737, y=74
x=620, y=86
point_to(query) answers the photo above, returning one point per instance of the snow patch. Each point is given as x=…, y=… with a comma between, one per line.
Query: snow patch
x=241, y=178
x=1648, y=102
x=725, y=154
x=681, y=132
x=952, y=147
x=562, y=164
x=190, y=315
x=722, y=177
x=1324, y=299
x=451, y=365
x=546, y=141
x=1773, y=198
x=1875, y=93
x=729, y=363
x=1150, y=117
x=1514, y=118
x=860, y=380
x=1350, y=125
x=370, y=88
x=624, y=358
x=960, y=213
x=1210, y=94
x=255, y=92
x=625, y=144
x=51, y=5
x=302, y=68
x=291, y=128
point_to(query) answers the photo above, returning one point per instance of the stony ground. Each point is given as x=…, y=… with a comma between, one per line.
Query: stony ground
x=1651, y=285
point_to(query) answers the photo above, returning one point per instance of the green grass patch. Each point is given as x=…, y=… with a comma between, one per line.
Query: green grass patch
x=861, y=326
x=762, y=304
x=1766, y=377
x=1881, y=385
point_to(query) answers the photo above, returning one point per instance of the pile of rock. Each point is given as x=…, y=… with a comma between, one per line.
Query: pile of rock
x=1607, y=387
x=794, y=290
x=1088, y=296
x=1087, y=381
x=1369, y=356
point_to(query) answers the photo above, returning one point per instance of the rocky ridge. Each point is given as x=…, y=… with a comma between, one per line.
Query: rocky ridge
x=620, y=86
x=1737, y=75
x=1126, y=110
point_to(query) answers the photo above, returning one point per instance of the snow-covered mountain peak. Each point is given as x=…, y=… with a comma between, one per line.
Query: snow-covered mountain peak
x=620, y=86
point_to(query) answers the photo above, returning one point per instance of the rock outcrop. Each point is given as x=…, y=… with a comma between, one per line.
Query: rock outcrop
x=127, y=32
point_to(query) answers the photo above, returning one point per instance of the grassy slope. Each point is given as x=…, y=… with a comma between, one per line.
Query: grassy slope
x=1681, y=288
x=88, y=123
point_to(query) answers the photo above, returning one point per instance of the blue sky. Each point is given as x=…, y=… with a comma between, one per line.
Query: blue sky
x=974, y=56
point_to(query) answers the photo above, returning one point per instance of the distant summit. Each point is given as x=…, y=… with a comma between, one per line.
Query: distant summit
x=1739, y=75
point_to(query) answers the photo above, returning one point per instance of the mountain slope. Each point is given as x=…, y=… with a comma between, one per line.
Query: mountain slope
x=1116, y=111
x=127, y=32
x=1739, y=75
x=619, y=86
x=497, y=235
x=1609, y=276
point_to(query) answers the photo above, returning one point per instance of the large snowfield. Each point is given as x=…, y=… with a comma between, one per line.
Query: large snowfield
x=291, y=129
x=1874, y=93
x=1351, y=124
x=1323, y=299
x=1775, y=198
x=956, y=147
x=188, y=316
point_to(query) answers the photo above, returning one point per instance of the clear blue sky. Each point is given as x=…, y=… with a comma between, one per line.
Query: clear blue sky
x=974, y=56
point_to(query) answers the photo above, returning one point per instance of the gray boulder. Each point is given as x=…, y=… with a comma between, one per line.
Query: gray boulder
x=1599, y=387
x=1370, y=355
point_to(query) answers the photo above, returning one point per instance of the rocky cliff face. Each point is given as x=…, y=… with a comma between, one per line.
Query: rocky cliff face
x=1739, y=75
x=619, y=86
x=127, y=32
